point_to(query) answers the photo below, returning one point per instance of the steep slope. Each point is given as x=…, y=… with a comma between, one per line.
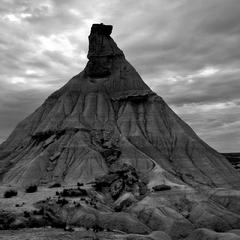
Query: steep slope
x=105, y=116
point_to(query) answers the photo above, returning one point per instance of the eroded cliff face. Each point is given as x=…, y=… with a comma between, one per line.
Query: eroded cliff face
x=103, y=117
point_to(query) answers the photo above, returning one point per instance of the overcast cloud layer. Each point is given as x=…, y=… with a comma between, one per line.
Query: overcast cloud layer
x=188, y=51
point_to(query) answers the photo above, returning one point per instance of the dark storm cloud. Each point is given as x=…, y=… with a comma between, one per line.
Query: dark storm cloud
x=186, y=51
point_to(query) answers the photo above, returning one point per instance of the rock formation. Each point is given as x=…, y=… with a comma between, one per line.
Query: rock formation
x=102, y=118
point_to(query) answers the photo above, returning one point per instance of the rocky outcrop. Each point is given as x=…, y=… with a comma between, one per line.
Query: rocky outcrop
x=106, y=116
x=123, y=179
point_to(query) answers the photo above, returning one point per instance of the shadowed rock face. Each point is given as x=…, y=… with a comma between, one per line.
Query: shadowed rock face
x=103, y=117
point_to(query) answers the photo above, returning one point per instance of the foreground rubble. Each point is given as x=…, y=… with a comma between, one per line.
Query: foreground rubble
x=173, y=213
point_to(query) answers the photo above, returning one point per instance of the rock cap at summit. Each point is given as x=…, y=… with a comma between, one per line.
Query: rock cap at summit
x=100, y=42
x=101, y=29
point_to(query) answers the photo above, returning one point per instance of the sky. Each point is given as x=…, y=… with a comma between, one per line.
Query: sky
x=187, y=51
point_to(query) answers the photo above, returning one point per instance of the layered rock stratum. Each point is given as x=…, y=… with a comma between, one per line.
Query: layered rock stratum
x=103, y=116
x=145, y=173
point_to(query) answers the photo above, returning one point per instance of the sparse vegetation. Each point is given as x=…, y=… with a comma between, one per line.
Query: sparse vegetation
x=31, y=189
x=10, y=193
x=73, y=192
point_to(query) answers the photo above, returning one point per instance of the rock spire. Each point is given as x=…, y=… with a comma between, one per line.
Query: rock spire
x=104, y=117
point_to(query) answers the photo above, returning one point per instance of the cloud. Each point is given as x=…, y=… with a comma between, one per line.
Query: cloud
x=186, y=51
x=216, y=123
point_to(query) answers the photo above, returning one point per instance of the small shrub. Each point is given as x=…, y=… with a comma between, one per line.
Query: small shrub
x=80, y=184
x=10, y=193
x=31, y=189
x=161, y=187
x=73, y=192
x=55, y=185
x=26, y=214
